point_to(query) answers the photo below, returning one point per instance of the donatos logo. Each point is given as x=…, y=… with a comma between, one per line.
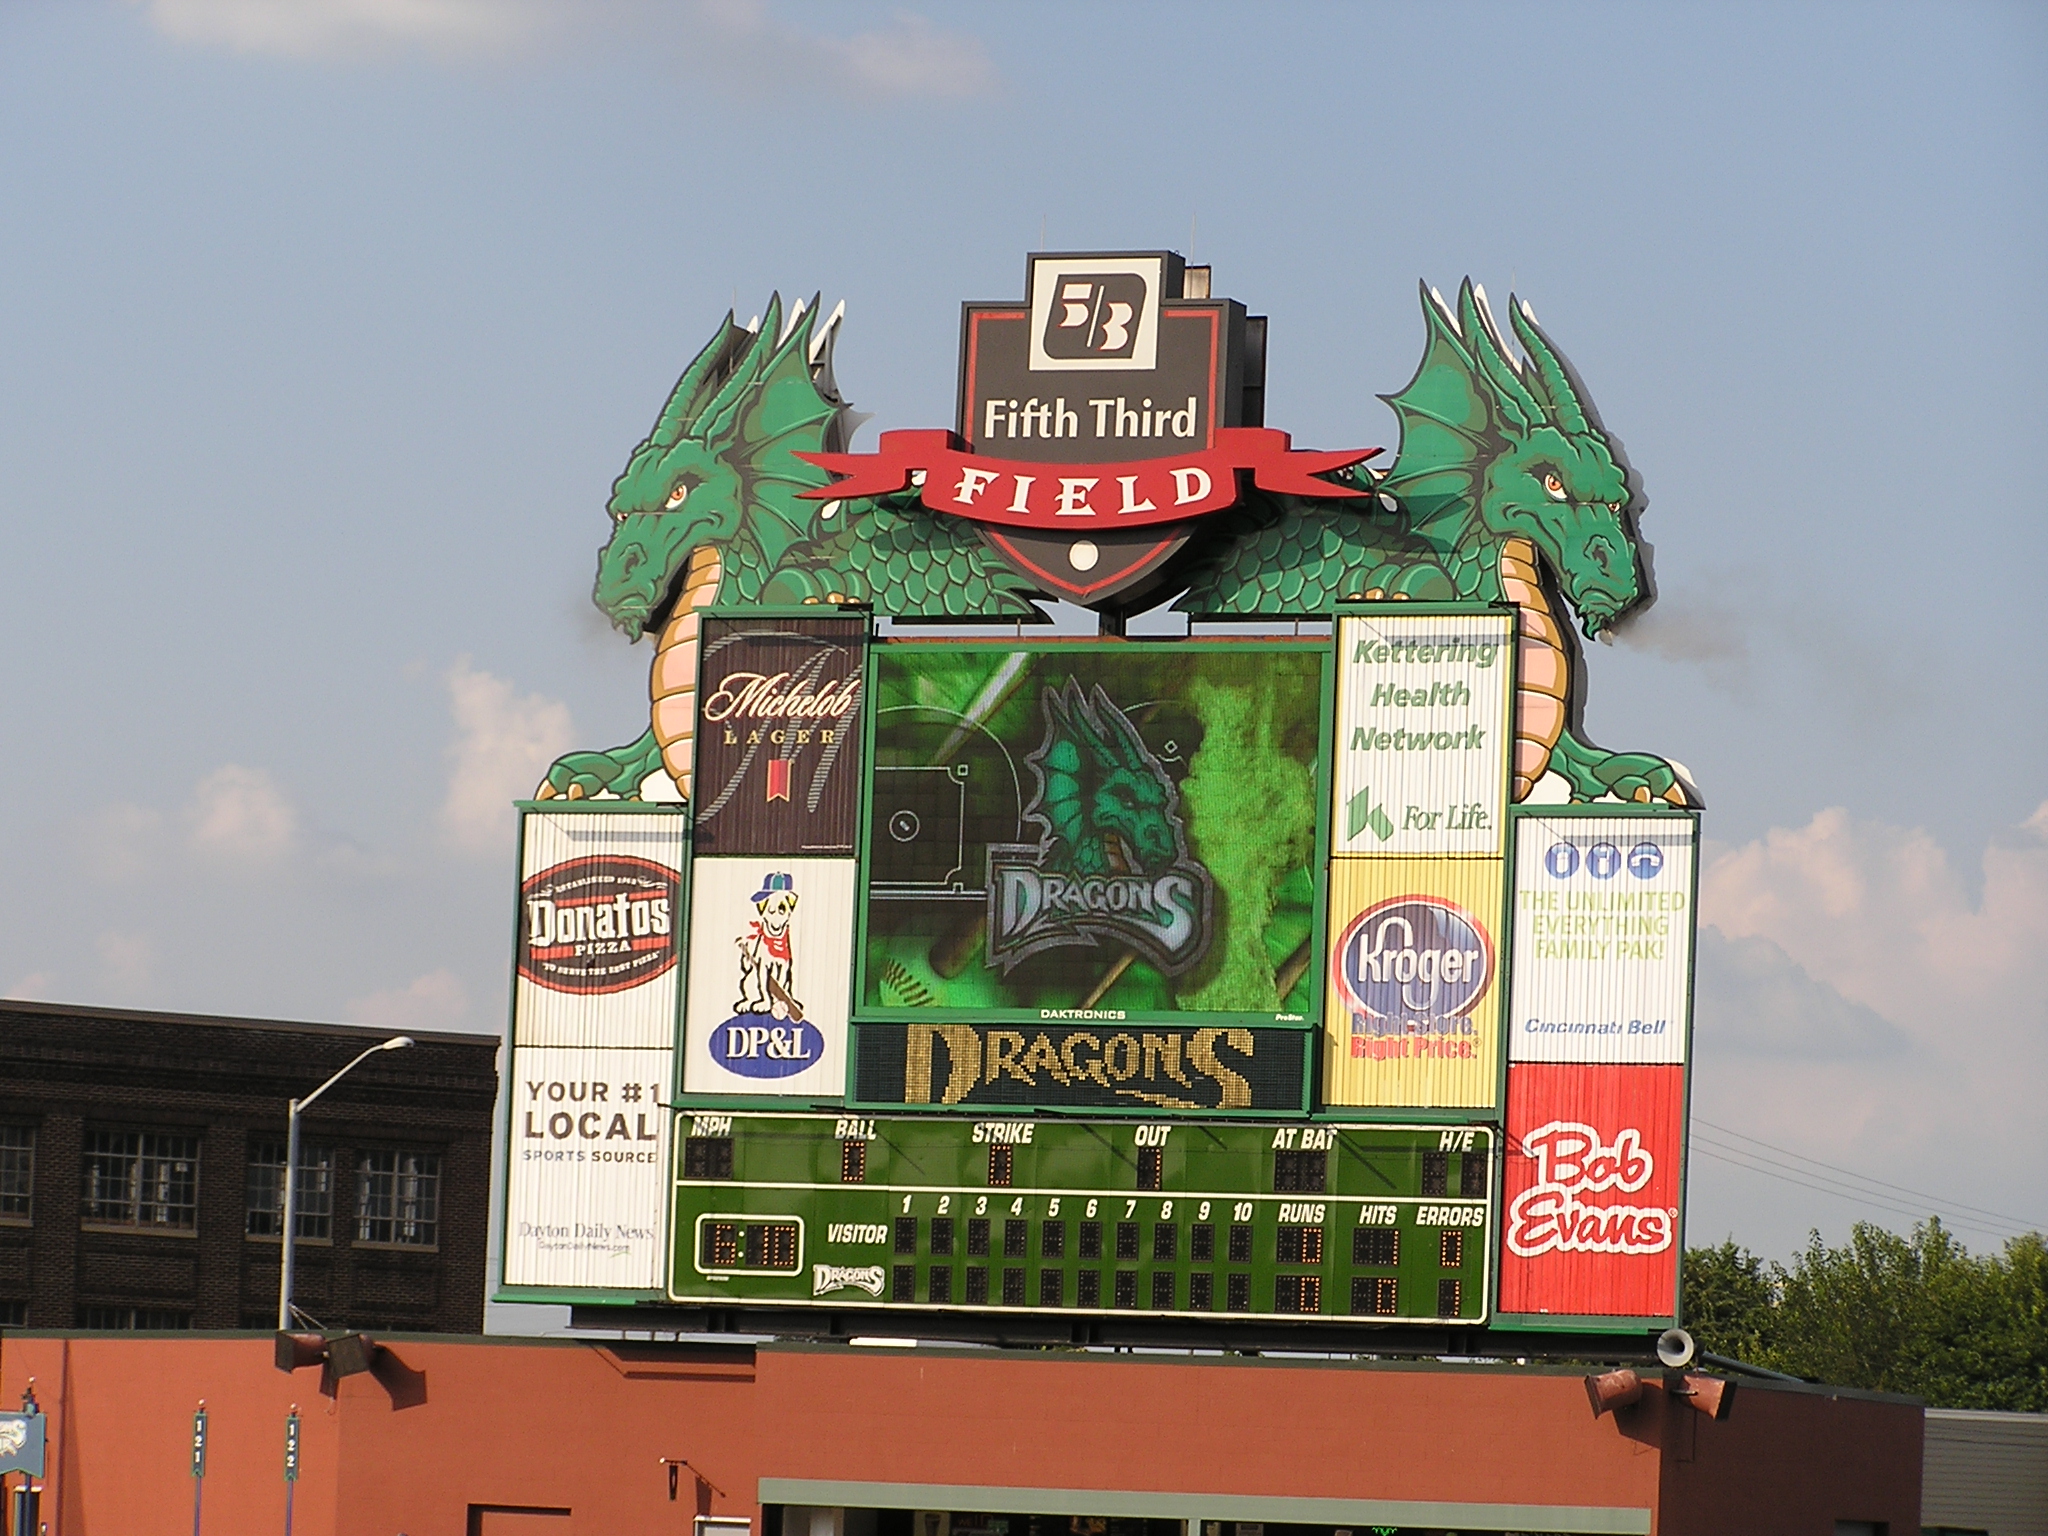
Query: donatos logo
x=598, y=924
x=1414, y=965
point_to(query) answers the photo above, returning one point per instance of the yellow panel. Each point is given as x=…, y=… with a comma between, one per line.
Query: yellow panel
x=1413, y=986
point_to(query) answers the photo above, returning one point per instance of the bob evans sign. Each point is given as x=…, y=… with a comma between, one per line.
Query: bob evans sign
x=1423, y=728
x=1098, y=1063
x=1594, y=1168
x=1603, y=938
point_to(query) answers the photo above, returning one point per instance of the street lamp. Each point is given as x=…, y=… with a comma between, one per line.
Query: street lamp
x=291, y=1177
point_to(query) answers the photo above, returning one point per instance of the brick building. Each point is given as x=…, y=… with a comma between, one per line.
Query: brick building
x=142, y=1162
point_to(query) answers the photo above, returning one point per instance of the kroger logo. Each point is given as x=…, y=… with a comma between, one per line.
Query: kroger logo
x=767, y=1050
x=1415, y=964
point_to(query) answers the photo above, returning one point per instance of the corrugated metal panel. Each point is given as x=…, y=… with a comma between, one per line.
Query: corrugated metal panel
x=1986, y=1472
x=600, y=928
x=1422, y=733
x=1593, y=1166
x=587, y=1181
x=1413, y=1015
x=771, y=976
x=1603, y=937
x=779, y=735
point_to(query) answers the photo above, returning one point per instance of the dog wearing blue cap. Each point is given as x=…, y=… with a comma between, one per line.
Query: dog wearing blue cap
x=767, y=979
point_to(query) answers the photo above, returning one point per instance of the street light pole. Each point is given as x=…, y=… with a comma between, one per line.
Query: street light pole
x=291, y=1177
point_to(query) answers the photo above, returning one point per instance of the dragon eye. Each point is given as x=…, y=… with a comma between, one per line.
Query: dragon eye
x=1615, y=506
x=675, y=497
x=1553, y=487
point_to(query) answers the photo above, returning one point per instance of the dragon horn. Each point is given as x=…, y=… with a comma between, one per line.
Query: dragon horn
x=1491, y=354
x=706, y=370
x=1566, y=408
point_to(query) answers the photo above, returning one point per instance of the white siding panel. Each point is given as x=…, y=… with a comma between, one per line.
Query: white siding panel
x=553, y=1006
x=1601, y=966
x=1423, y=733
x=587, y=1182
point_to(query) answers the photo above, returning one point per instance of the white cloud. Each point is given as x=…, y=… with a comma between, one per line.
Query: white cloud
x=1879, y=913
x=304, y=29
x=35, y=987
x=504, y=742
x=1858, y=1005
x=127, y=960
x=436, y=1000
x=241, y=814
x=739, y=42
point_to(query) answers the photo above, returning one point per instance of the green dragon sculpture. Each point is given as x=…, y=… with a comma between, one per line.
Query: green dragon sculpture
x=708, y=512
x=1506, y=488
x=1106, y=804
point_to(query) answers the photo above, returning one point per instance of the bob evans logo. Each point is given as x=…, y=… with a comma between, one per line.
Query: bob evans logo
x=826, y=1278
x=1571, y=1162
x=1114, y=865
x=766, y=1049
x=598, y=924
x=1415, y=966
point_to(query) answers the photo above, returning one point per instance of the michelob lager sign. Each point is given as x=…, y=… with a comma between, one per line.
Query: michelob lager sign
x=1423, y=731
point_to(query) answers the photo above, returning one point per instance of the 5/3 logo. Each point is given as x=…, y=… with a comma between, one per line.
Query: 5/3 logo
x=1095, y=315
x=1095, y=312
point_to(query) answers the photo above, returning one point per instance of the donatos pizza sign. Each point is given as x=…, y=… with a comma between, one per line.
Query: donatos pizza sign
x=598, y=924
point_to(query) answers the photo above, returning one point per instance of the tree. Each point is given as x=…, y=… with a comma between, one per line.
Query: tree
x=1918, y=1315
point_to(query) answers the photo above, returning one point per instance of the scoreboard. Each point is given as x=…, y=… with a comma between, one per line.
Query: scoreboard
x=1174, y=1219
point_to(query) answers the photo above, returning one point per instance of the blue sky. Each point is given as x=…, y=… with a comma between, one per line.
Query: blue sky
x=328, y=324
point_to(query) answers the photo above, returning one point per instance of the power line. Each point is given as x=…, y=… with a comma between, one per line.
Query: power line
x=1982, y=1219
x=1918, y=1194
x=1960, y=1224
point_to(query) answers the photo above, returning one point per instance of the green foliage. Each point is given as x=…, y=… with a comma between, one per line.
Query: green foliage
x=1918, y=1315
x=1251, y=810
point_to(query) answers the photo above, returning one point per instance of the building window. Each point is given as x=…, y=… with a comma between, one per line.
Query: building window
x=134, y=1317
x=17, y=1169
x=141, y=1179
x=398, y=1198
x=13, y=1314
x=315, y=1196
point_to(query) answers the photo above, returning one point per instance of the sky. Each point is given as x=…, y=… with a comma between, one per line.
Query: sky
x=326, y=324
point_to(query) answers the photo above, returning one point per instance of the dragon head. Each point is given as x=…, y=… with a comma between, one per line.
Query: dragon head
x=1100, y=787
x=1515, y=444
x=720, y=465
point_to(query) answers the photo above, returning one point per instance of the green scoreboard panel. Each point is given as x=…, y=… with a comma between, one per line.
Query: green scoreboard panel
x=1188, y=1219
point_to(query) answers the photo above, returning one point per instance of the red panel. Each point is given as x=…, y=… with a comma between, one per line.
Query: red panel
x=1593, y=1163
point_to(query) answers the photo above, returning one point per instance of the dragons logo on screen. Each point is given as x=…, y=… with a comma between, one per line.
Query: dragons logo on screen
x=1113, y=868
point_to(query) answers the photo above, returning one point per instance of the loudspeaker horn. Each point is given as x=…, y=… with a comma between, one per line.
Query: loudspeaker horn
x=1612, y=1390
x=1675, y=1349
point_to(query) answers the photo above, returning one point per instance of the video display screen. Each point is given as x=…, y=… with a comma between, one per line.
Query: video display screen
x=1093, y=831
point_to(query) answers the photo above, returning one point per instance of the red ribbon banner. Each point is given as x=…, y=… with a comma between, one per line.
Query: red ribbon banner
x=1127, y=494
